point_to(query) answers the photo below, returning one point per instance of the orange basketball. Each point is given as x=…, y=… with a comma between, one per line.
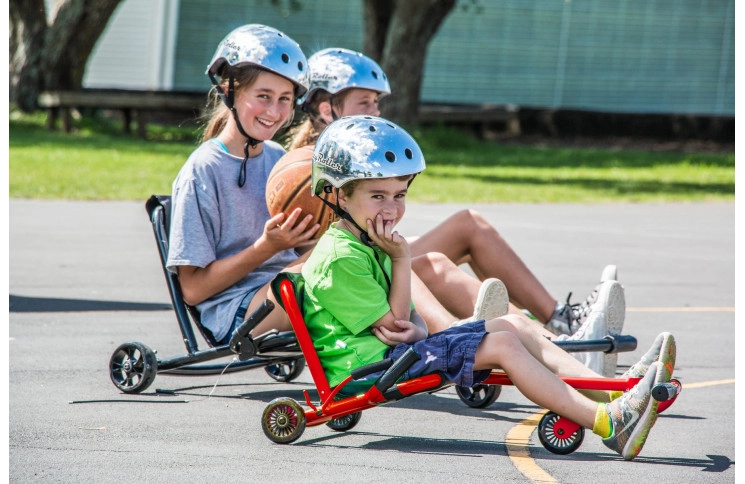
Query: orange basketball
x=288, y=187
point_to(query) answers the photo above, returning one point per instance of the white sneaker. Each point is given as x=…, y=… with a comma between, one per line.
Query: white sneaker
x=610, y=273
x=606, y=316
x=491, y=302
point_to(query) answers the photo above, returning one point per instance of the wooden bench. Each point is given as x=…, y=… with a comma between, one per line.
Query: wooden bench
x=132, y=104
x=475, y=115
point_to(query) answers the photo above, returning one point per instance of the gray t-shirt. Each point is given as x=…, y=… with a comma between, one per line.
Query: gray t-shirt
x=213, y=218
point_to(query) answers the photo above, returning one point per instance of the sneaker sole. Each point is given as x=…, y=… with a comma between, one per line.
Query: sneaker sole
x=645, y=423
x=615, y=303
x=667, y=355
x=493, y=300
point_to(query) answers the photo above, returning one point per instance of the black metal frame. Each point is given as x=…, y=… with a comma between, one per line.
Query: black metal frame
x=270, y=348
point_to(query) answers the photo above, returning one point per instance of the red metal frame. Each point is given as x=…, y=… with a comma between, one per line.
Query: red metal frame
x=330, y=408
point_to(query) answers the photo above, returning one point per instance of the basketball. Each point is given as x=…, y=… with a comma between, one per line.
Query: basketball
x=288, y=187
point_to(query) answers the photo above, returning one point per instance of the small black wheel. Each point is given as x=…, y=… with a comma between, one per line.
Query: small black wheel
x=285, y=371
x=479, y=396
x=283, y=420
x=347, y=422
x=133, y=367
x=555, y=437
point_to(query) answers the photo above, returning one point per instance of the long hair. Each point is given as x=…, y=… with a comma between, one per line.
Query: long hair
x=307, y=133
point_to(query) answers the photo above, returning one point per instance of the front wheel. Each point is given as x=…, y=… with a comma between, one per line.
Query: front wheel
x=559, y=435
x=347, y=422
x=132, y=367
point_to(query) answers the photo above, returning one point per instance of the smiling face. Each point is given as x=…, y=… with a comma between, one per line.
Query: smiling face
x=365, y=199
x=265, y=105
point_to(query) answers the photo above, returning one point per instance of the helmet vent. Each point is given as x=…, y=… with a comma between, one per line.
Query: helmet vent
x=390, y=156
x=285, y=58
x=375, y=74
x=300, y=66
x=372, y=129
x=409, y=154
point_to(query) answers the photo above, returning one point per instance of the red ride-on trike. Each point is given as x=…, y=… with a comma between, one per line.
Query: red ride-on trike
x=284, y=419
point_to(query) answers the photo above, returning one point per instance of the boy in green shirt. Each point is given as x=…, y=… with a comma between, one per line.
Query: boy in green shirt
x=358, y=308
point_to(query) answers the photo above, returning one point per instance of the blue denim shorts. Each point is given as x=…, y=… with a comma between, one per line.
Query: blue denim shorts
x=240, y=315
x=450, y=352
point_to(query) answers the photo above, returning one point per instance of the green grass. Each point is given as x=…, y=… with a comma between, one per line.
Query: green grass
x=99, y=162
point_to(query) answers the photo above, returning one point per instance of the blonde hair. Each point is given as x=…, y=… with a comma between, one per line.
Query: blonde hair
x=307, y=133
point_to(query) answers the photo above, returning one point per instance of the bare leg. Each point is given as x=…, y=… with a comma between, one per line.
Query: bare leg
x=534, y=339
x=278, y=318
x=535, y=381
x=453, y=288
x=429, y=308
x=466, y=237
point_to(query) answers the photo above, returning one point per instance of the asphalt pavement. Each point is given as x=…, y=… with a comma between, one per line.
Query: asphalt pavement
x=84, y=277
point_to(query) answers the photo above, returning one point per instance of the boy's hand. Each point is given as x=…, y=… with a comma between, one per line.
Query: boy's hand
x=391, y=242
x=409, y=333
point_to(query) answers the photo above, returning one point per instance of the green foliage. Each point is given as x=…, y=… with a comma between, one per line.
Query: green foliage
x=97, y=161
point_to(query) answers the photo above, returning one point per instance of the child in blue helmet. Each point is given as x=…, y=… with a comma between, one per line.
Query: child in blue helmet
x=358, y=307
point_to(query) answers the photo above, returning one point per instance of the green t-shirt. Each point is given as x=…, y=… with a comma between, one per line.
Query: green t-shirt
x=346, y=291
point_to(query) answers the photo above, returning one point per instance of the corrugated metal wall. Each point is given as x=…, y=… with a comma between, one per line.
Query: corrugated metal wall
x=634, y=56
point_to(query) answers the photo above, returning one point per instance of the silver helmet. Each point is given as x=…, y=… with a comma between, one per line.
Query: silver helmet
x=265, y=47
x=336, y=69
x=363, y=147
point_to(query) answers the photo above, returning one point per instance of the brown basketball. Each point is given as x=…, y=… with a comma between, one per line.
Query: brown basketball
x=288, y=187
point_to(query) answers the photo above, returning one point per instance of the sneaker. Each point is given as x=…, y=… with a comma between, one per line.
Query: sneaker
x=491, y=302
x=662, y=350
x=610, y=273
x=606, y=316
x=633, y=414
x=568, y=318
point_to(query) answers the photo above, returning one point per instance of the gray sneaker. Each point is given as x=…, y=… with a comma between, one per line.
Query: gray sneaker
x=633, y=414
x=491, y=302
x=662, y=350
x=568, y=318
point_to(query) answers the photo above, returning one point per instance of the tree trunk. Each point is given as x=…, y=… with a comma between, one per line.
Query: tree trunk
x=27, y=27
x=75, y=29
x=52, y=56
x=411, y=26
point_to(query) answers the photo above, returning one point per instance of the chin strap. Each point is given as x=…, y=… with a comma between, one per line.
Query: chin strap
x=229, y=102
x=345, y=215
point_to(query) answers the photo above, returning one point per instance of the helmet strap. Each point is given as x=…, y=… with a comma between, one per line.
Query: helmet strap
x=343, y=214
x=229, y=100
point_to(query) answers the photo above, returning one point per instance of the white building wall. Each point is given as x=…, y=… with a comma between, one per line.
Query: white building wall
x=136, y=49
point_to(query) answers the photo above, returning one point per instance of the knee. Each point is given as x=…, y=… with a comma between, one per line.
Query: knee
x=505, y=344
x=431, y=263
x=473, y=222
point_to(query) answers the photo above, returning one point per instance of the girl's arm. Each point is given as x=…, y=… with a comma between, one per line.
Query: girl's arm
x=201, y=283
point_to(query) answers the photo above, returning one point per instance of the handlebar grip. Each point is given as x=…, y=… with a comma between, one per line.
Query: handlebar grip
x=397, y=369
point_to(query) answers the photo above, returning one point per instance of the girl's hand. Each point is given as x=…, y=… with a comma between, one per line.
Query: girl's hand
x=409, y=333
x=390, y=241
x=281, y=234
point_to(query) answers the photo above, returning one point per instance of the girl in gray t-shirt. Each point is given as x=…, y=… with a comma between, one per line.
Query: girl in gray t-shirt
x=224, y=246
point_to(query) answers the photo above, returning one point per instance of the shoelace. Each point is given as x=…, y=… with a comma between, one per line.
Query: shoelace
x=579, y=311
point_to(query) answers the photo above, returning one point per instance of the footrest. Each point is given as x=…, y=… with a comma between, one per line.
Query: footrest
x=241, y=342
x=619, y=343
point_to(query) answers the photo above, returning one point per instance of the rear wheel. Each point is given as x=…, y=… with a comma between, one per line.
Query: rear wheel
x=286, y=370
x=347, y=422
x=283, y=420
x=479, y=396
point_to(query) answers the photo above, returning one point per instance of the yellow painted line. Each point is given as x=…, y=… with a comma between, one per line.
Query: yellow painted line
x=708, y=383
x=518, y=440
x=683, y=309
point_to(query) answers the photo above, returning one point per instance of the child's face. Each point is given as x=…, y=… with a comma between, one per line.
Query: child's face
x=265, y=105
x=360, y=101
x=384, y=196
